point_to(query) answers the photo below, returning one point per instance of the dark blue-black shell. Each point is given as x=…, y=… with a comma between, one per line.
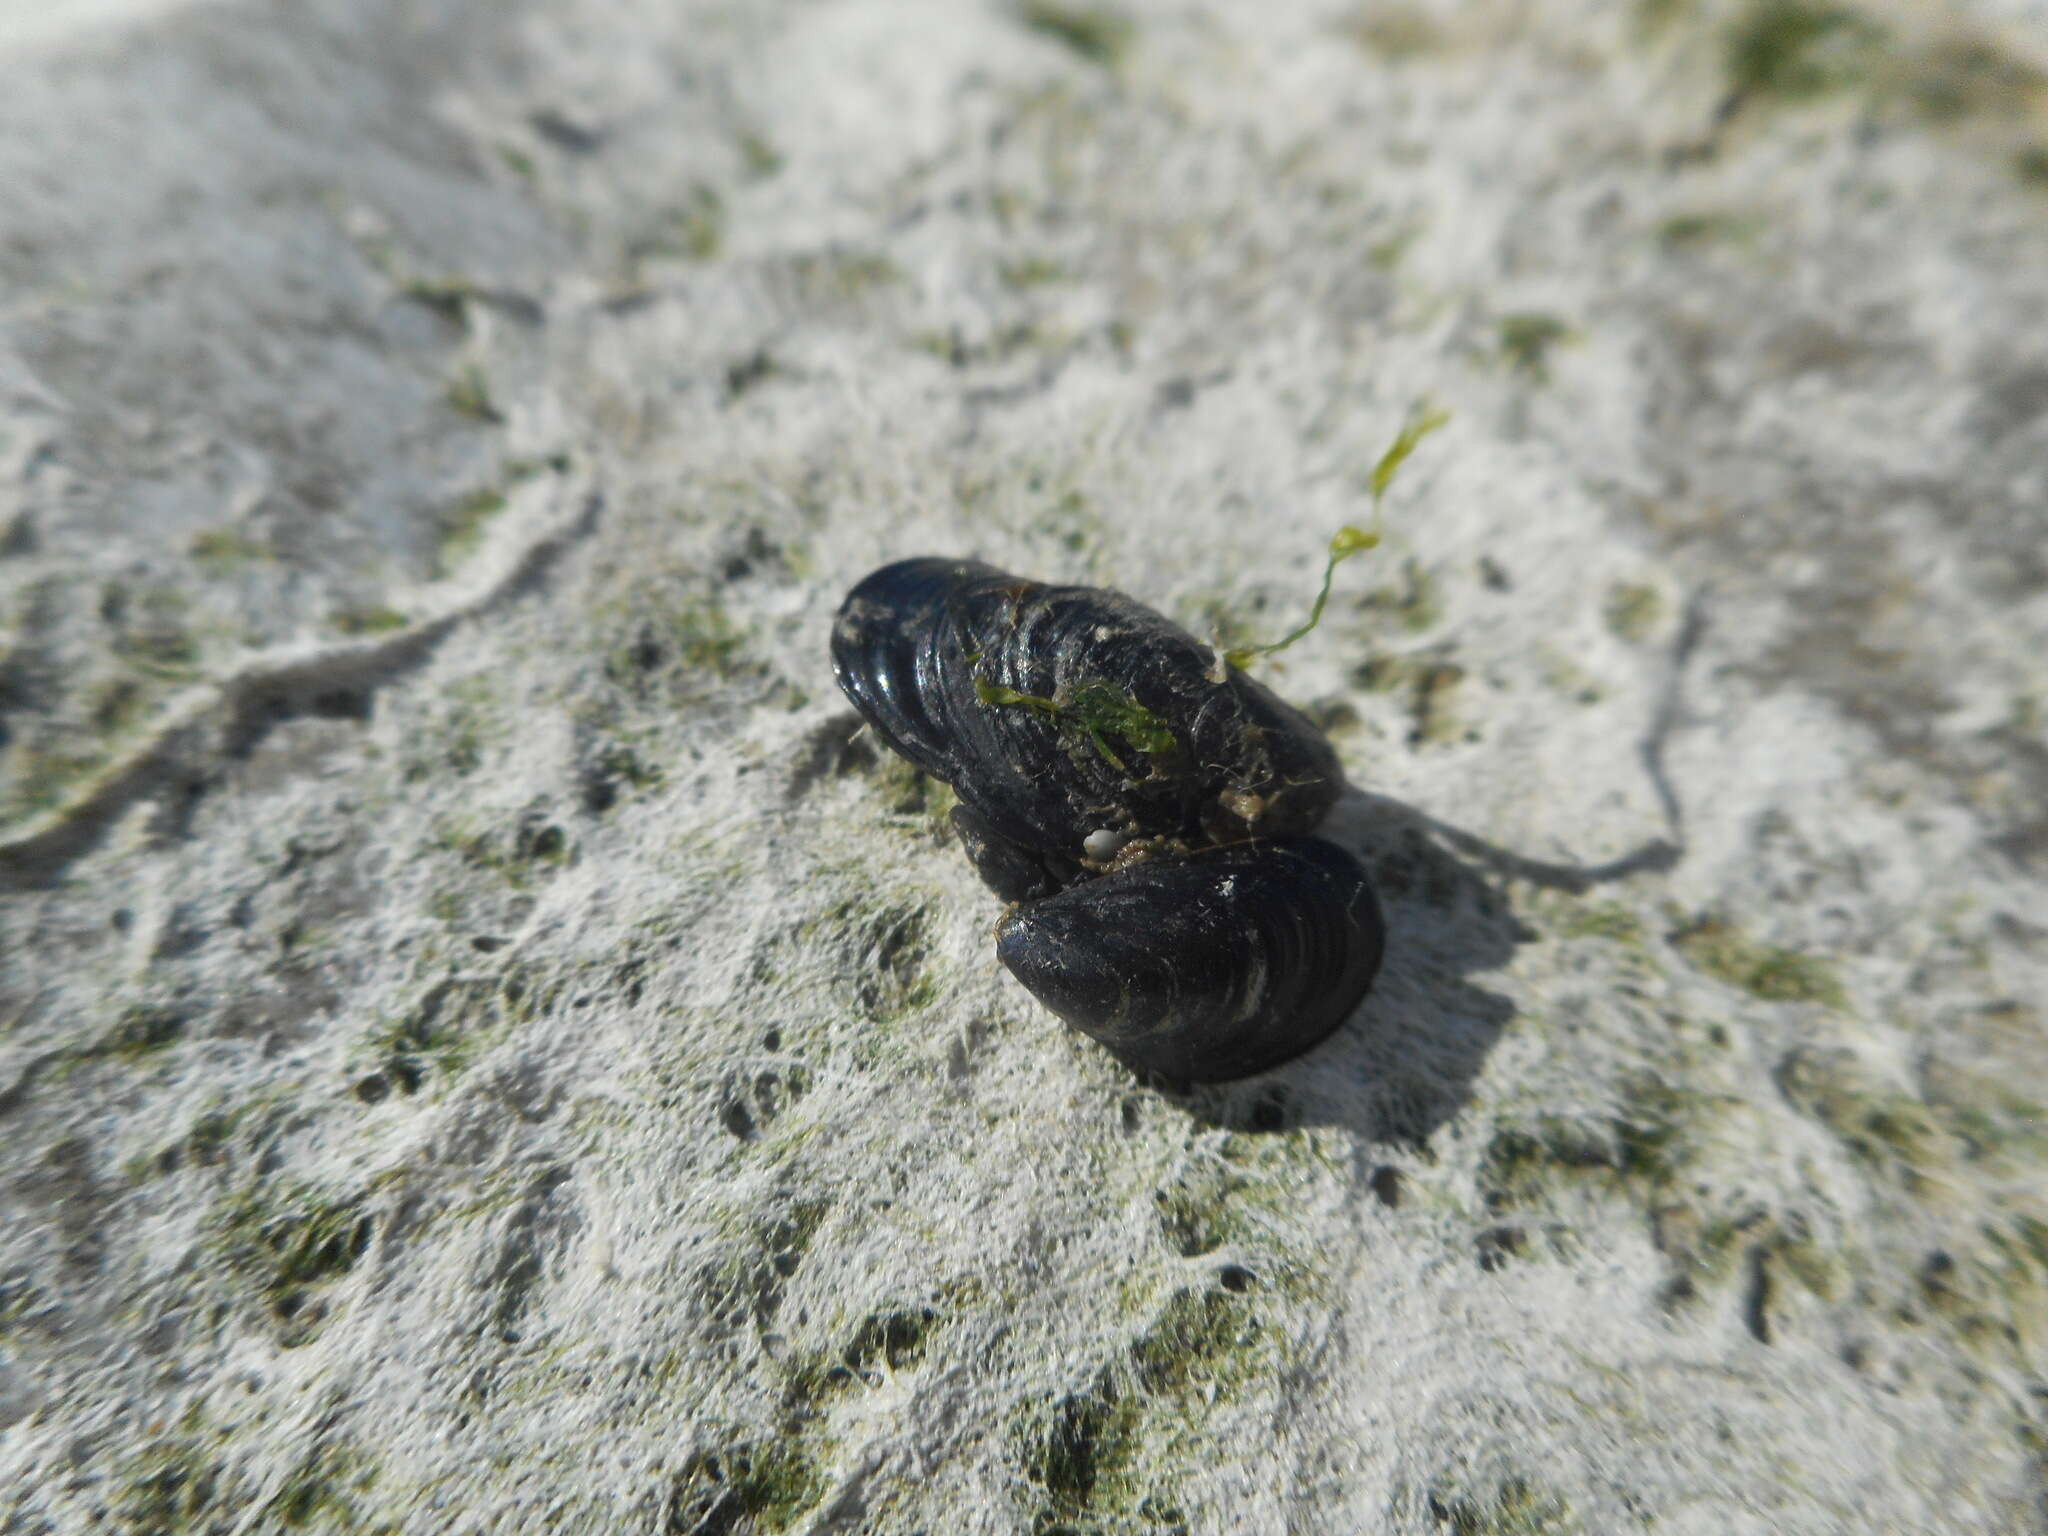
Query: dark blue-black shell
x=1238, y=941
x=1206, y=968
x=913, y=638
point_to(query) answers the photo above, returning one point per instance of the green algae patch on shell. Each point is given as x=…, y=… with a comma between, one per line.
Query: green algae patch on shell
x=1054, y=711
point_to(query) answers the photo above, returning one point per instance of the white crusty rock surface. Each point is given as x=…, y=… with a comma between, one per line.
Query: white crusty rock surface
x=484, y=1046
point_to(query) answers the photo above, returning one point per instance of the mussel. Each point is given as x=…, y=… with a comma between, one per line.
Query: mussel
x=1145, y=808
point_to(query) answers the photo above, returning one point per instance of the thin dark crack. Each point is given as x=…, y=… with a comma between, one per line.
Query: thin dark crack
x=1656, y=855
x=1756, y=1299
x=1671, y=712
x=234, y=714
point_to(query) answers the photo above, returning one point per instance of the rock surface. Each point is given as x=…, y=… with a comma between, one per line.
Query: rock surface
x=485, y=1047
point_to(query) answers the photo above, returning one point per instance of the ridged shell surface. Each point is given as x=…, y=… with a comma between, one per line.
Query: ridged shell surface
x=1165, y=898
x=913, y=639
x=1208, y=968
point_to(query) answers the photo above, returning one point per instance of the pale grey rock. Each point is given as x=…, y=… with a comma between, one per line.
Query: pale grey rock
x=484, y=1046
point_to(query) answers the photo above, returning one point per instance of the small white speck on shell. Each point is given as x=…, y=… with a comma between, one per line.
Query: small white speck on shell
x=1103, y=843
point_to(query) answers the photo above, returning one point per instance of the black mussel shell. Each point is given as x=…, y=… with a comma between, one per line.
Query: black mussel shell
x=1012, y=871
x=914, y=638
x=1146, y=820
x=1206, y=968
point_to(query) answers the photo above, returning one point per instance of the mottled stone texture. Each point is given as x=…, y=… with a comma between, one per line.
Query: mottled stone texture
x=485, y=1046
